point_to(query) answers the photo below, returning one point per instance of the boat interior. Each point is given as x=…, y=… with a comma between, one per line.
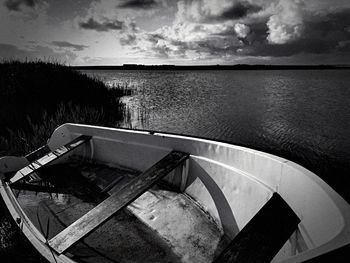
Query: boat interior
x=146, y=231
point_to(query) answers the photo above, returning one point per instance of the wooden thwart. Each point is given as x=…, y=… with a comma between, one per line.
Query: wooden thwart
x=48, y=158
x=116, y=202
x=264, y=235
x=38, y=153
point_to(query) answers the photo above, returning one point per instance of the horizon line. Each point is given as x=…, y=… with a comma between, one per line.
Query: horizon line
x=216, y=66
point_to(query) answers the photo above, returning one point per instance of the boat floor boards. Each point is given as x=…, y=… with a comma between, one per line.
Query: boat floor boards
x=159, y=226
x=117, y=201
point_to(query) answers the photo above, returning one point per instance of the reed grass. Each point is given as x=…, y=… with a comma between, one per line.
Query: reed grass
x=36, y=97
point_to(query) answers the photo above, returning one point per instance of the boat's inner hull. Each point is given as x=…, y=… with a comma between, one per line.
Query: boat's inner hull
x=160, y=226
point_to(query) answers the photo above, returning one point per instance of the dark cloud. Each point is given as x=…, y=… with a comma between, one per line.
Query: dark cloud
x=133, y=27
x=239, y=10
x=128, y=40
x=197, y=11
x=15, y=5
x=162, y=51
x=138, y=4
x=155, y=37
x=107, y=25
x=258, y=34
x=217, y=47
x=161, y=46
x=65, y=44
x=322, y=34
x=213, y=48
x=129, y=34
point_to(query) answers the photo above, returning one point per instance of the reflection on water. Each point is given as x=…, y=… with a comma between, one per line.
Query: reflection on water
x=302, y=115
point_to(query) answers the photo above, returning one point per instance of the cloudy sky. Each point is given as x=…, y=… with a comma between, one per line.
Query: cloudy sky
x=114, y=32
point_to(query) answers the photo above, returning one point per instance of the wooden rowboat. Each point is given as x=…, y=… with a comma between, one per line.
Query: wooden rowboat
x=95, y=194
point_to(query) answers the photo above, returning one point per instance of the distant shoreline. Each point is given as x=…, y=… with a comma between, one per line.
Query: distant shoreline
x=213, y=67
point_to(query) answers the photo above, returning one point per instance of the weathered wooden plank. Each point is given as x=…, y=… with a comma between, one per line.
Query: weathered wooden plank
x=264, y=235
x=116, y=202
x=48, y=158
x=31, y=157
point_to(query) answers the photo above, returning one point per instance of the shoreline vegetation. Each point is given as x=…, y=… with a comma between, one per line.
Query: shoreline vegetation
x=213, y=67
x=36, y=97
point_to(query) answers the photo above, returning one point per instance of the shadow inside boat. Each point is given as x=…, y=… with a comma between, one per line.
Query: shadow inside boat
x=62, y=193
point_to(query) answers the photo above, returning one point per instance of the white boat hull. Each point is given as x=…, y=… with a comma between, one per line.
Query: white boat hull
x=233, y=183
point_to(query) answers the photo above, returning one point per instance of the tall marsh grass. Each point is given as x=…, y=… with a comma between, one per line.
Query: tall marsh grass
x=36, y=97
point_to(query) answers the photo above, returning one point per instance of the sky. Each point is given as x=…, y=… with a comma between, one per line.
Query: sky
x=181, y=32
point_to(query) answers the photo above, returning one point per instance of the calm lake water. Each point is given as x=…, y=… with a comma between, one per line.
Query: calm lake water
x=302, y=115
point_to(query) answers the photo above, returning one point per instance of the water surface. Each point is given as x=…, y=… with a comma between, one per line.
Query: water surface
x=302, y=115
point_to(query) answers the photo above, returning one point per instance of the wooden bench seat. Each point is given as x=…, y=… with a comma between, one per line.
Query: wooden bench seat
x=264, y=235
x=117, y=201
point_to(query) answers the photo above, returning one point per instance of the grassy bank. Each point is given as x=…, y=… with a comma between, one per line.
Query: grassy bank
x=36, y=97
